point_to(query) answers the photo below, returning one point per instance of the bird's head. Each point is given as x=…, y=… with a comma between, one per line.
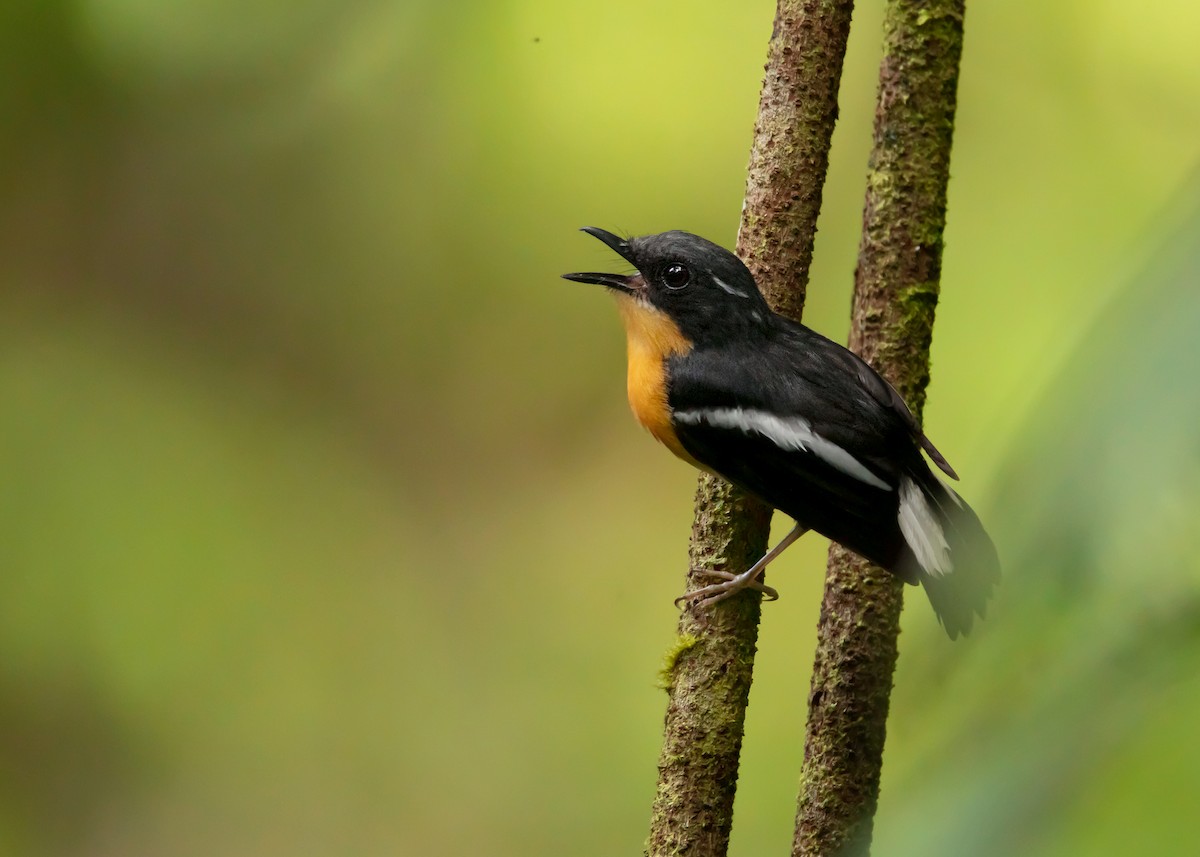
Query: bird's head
x=703, y=288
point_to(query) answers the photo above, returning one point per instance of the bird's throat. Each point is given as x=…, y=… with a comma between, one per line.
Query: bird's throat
x=652, y=337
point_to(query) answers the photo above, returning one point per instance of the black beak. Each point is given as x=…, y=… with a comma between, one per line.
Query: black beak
x=620, y=246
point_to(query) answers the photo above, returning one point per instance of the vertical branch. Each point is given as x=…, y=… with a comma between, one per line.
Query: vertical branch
x=790, y=153
x=896, y=291
x=709, y=672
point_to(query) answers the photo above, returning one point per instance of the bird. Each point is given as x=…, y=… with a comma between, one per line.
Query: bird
x=792, y=417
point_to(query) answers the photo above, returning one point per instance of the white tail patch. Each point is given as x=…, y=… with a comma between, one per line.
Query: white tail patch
x=922, y=530
x=787, y=433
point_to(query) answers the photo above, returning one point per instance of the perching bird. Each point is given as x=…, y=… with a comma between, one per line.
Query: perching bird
x=792, y=417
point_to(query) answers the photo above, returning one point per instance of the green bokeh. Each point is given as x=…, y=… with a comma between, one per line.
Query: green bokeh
x=325, y=529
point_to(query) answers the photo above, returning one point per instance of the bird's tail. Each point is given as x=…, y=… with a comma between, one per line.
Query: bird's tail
x=952, y=555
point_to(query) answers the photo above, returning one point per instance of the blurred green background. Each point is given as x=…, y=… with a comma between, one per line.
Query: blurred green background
x=325, y=529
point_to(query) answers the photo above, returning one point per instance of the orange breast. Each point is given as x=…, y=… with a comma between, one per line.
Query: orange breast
x=651, y=338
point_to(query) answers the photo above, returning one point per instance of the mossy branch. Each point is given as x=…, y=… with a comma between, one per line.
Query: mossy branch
x=896, y=291
x=708, y=674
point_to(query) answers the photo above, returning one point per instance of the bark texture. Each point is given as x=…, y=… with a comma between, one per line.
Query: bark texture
x=896, y=292
x=797, y=111
x=709, y=671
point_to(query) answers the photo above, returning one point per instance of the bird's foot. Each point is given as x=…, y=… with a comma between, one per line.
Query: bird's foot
x=731, y=584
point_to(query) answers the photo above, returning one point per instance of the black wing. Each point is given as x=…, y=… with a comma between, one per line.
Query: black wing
x=808, y=427
x=796, y=424
x=874, y=384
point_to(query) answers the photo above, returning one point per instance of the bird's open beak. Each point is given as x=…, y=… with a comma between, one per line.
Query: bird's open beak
x=628, y=284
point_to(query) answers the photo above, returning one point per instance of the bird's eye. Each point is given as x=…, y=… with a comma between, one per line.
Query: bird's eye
x=676, y=276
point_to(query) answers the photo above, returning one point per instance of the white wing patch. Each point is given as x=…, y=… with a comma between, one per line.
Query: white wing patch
x=922, y=530
x=786, y=433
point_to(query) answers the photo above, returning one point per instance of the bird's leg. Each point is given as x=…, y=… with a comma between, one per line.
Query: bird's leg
x=731, y=584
